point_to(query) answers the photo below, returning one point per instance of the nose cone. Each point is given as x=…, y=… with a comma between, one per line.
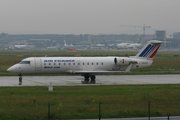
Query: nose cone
x=11, y=69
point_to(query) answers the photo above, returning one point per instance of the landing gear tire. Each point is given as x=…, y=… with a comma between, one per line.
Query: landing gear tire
x=20, y=79
x=93, y=79
x=93, y=82
x=86, y=79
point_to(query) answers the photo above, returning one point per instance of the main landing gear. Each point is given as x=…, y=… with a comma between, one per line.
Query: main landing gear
x=20, y=79
x=86, y=79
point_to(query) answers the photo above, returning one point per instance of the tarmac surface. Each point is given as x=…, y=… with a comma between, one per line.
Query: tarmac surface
x=72, y=80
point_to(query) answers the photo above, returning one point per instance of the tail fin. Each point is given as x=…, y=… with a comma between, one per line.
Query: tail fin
x=149, y=50
x=64, y=42
x=65, y=45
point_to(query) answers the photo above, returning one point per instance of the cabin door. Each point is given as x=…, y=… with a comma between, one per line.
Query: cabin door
x=38, y=64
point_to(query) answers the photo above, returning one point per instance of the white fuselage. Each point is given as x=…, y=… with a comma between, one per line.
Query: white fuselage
x=77, y=64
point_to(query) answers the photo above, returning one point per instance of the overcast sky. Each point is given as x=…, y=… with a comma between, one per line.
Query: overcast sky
x=88, y=16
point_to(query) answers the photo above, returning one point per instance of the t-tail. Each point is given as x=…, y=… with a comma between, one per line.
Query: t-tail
x=149, y=50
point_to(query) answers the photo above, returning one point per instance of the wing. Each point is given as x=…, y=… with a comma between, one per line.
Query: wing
x=92, y=72
x=99, y=71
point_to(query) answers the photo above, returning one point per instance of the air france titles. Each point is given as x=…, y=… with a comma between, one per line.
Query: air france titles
x=56, y=61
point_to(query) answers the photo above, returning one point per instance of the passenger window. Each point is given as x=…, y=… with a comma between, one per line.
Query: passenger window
x=49, y=63
x=64, y=63
x=44, y=63
x=73, y=63
x=101, y=63
x=69, y=63
x=87, y=63
x=78, y=63
x=96, y=63
x=92, y=63
x=59, y=63
x=54, y=63
x=83, y=63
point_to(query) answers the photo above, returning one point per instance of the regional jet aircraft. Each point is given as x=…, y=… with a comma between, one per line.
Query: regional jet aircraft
x=87, y=66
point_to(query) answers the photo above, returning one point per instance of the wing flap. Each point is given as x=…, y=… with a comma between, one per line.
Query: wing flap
x=93, y=72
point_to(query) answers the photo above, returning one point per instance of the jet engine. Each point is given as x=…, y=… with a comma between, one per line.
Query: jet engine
x=123, y=61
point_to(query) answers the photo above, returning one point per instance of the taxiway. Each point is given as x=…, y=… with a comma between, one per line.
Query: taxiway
x=72, y=80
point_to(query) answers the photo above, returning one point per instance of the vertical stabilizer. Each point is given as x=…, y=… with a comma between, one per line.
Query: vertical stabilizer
x=65, y=45
x=149, y=50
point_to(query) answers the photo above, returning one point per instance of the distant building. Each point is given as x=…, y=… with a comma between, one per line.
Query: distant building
x=176, y=35
x=160, y=34
x=83, y=41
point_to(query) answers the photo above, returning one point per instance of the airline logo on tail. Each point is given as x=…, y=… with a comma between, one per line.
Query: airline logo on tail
x=150, y=50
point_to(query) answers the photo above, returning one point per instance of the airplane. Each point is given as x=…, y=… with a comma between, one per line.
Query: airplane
x=66, y=45
x=25, y=46
x=97, y=44
x=135, y=45
x=123, y=45
x=129, y=45
x=87, y=66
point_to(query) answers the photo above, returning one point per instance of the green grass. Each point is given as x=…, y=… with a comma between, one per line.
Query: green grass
x=76, y=102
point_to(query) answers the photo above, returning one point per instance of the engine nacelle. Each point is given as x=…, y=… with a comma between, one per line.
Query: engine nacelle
x=123, y=61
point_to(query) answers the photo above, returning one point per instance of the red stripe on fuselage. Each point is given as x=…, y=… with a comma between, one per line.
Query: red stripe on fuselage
x=154, y=53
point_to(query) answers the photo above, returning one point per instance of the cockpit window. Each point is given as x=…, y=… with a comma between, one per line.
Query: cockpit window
x=24, y=62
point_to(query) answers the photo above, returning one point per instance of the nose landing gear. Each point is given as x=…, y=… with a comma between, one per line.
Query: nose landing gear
x=20, y=79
